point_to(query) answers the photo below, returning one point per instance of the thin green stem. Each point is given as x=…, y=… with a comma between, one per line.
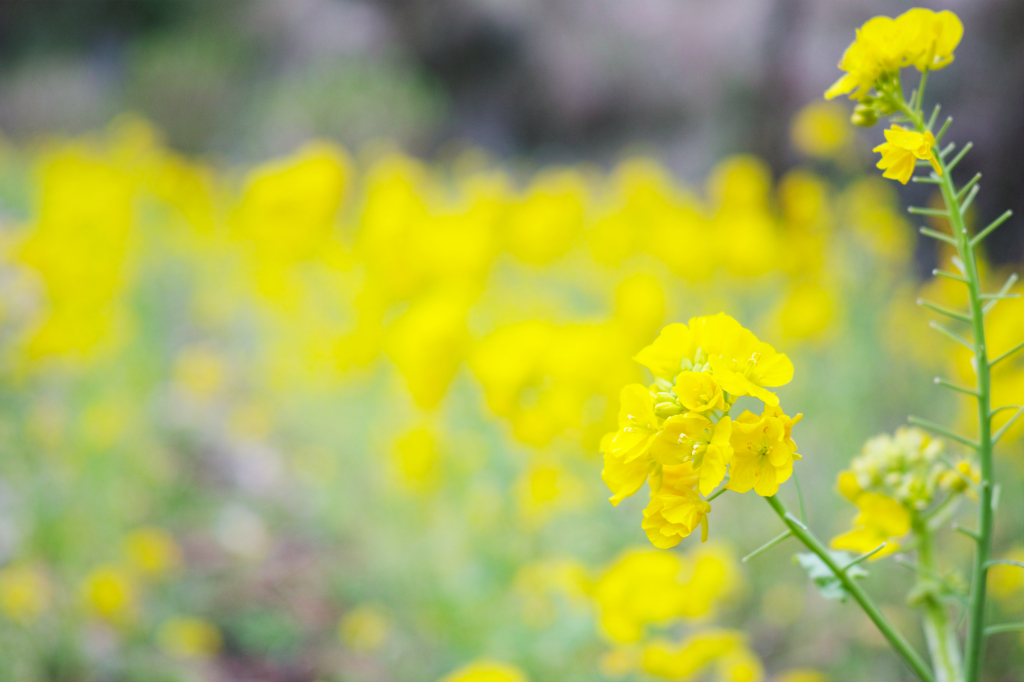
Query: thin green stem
x=965, y=249
x=1004, y=627
x=898, y=642
x=942, y=642
x=766, y=546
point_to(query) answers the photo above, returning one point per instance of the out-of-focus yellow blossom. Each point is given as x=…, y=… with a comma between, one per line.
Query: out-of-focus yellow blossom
x=485, y=670
x=152, y=551
x=110, y=593
x=907, y=466
x=25, y=593
x=417, y=459
x=901, y=150
x=201, y=371
x=740, y=363
x=675, y=509
x=801, y=675
x=725, y=649
x=871, y=206
x=650, y=587
x=881, y=519
x=693, y=439
x=763, y=451
x=960, y=478
x=286, y=214
x=80, y=246
x=1006, y=580
x=627, y=461
x=918, y=37
x=639, y=306
x=807, y=312
x=541, y=583
x=190, y=638
x=543, y=488
x=546, y=222
x=821, y=130
x=428, y=343
x=364, y=628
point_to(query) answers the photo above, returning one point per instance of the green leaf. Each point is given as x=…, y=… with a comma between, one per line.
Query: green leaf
x=822, y=576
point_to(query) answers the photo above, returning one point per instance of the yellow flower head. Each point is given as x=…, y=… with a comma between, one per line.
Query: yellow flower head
x=627, y=463
x=189, y=638
x=485, y=670
x=665, y=357
x=694, y=439
x=699, y=392
x=364, y=628
x=24, y=593
x=675, y=509
x=901, y=150
x=918, y=37
x=740, y=363
x=763, y=451
x=881, y=519
x=152, y=551
x=110, y=593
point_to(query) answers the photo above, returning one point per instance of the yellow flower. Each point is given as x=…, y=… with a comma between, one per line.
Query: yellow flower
x=152, y=551
x=24, y=593
x=485, y=670
x=881, y=519
x=901, y=150
x=918, y=37
x=627, y=462
x=665, y=357
x=931, y=36
x=763, y=451
x=694, y=439
x=725, y=648
x=675, y=509
x=821, y=130
x=364, y=628
x=699, y=392
x=110, y=594
x=740, y=363
x=189, y=638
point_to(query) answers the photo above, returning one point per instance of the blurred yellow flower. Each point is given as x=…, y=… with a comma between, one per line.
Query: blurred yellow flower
x=807, y=312
x=188, y=637
x=364, y=628
x=485, y=670
x=110, y=593
x=417, y=459
x=821, y=130
x=152, y=551
x=25, y=593
x=881, y=519
x=546, y=222
x=1005, y=580
x=901, y=150
x=723, y=648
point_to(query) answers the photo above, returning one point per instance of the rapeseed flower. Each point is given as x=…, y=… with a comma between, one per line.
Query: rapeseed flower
x=627, y=461
x=739, y=362
x=25, y=593
x=485, y=670
x=675, y=509
x=901, y=150
x=763, y=451
x=918, y=37
x=110, y=593
x=881, y=519
x=691, y=438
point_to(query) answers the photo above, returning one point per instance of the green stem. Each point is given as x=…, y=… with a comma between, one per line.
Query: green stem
x=976, y=616
x=800, y=531
x=938, y=630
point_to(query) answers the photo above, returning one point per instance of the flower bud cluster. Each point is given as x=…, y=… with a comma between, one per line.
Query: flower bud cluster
x=908, y=466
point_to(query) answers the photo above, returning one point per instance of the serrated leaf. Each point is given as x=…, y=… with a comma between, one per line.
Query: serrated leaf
x=822, y=576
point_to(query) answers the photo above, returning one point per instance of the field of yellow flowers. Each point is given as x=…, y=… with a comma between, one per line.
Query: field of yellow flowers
x=338, y=416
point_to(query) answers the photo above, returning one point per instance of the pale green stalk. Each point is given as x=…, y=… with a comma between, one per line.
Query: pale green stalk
x=939, y=633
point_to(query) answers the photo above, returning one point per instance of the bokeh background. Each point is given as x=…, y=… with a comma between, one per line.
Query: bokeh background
x=313, y=312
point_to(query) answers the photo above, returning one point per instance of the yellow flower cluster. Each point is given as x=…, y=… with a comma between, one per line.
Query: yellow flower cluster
x=677, y=433
x=893, y=479
x=918, y=37
x=901, y=150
